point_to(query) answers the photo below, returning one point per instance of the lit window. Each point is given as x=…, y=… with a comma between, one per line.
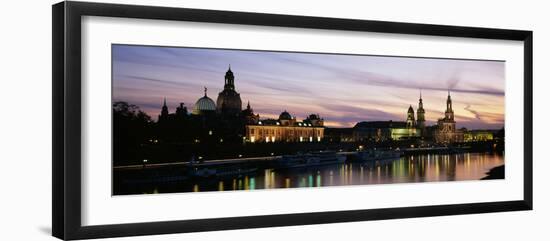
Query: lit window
x=319, y=139
x=310, y=139
x=267, y=139
x=272, y=139
x=252, y=139
x=301, y=139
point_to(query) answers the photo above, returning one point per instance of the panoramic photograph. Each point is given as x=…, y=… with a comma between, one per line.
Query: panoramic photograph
x=203, y=120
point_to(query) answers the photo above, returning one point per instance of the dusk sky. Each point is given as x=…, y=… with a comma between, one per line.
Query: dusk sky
x=343, y=89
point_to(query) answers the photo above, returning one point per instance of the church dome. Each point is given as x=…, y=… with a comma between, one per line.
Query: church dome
x=229, y=101
x=204, y=104
x=285, y=116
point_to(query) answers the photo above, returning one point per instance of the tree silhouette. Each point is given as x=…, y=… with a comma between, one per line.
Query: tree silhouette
x=131, y=131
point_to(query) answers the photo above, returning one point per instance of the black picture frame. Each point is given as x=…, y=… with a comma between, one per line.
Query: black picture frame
x=66, y=47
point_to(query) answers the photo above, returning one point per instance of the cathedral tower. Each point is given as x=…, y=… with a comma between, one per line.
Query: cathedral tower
x=164, y=112
x=446, y=131
x=449, y=113
x=229, y=101
x=420, y=119
x=410, y=118
x=229, y=80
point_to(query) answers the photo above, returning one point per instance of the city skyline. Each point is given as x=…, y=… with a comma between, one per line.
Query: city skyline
x=343, y=89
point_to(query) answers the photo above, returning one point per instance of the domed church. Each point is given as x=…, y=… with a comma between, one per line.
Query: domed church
x=229, y=101
x=204, y=105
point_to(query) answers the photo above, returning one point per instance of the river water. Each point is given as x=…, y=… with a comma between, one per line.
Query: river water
x=420, y=168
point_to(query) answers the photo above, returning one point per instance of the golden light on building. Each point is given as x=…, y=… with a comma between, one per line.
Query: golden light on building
x=478, y=135
x=286, y=129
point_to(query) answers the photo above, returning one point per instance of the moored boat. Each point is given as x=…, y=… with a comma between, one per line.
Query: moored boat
x=310, y=159
x=378, y=155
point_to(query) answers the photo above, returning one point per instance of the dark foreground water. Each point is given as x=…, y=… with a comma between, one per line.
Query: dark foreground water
x=421, y=168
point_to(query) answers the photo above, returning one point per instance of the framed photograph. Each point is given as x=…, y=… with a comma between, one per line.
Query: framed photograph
x=169, y=120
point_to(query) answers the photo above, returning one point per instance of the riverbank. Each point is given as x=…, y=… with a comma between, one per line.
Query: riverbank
x=495, y=173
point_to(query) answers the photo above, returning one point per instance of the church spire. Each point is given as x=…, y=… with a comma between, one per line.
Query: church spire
x=164, y=111
x=449, y=113
x=205, y=90
x=449, y=102
x=420, y=119
x=420, y=104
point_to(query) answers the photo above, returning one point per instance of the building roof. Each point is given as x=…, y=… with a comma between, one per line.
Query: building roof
x=381, y=124
x=285, y=116
x=204, y=104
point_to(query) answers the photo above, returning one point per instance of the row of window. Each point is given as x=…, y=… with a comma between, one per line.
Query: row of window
x=274, y=139
x=279, y=132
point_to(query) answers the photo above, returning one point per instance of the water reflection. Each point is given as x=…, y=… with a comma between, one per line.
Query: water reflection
x=422, y=168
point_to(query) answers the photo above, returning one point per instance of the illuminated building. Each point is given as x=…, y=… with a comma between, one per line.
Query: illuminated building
x=204, y=105
x=286, y=129
x=384, y=131
x=478, y=135
x=446, y=131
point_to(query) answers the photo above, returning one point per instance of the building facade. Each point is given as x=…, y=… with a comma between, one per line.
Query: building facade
x=286, y=129
x=380, y=131
x=479, y=135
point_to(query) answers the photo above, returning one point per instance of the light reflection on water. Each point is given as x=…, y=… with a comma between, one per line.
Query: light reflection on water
x=422, y=168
